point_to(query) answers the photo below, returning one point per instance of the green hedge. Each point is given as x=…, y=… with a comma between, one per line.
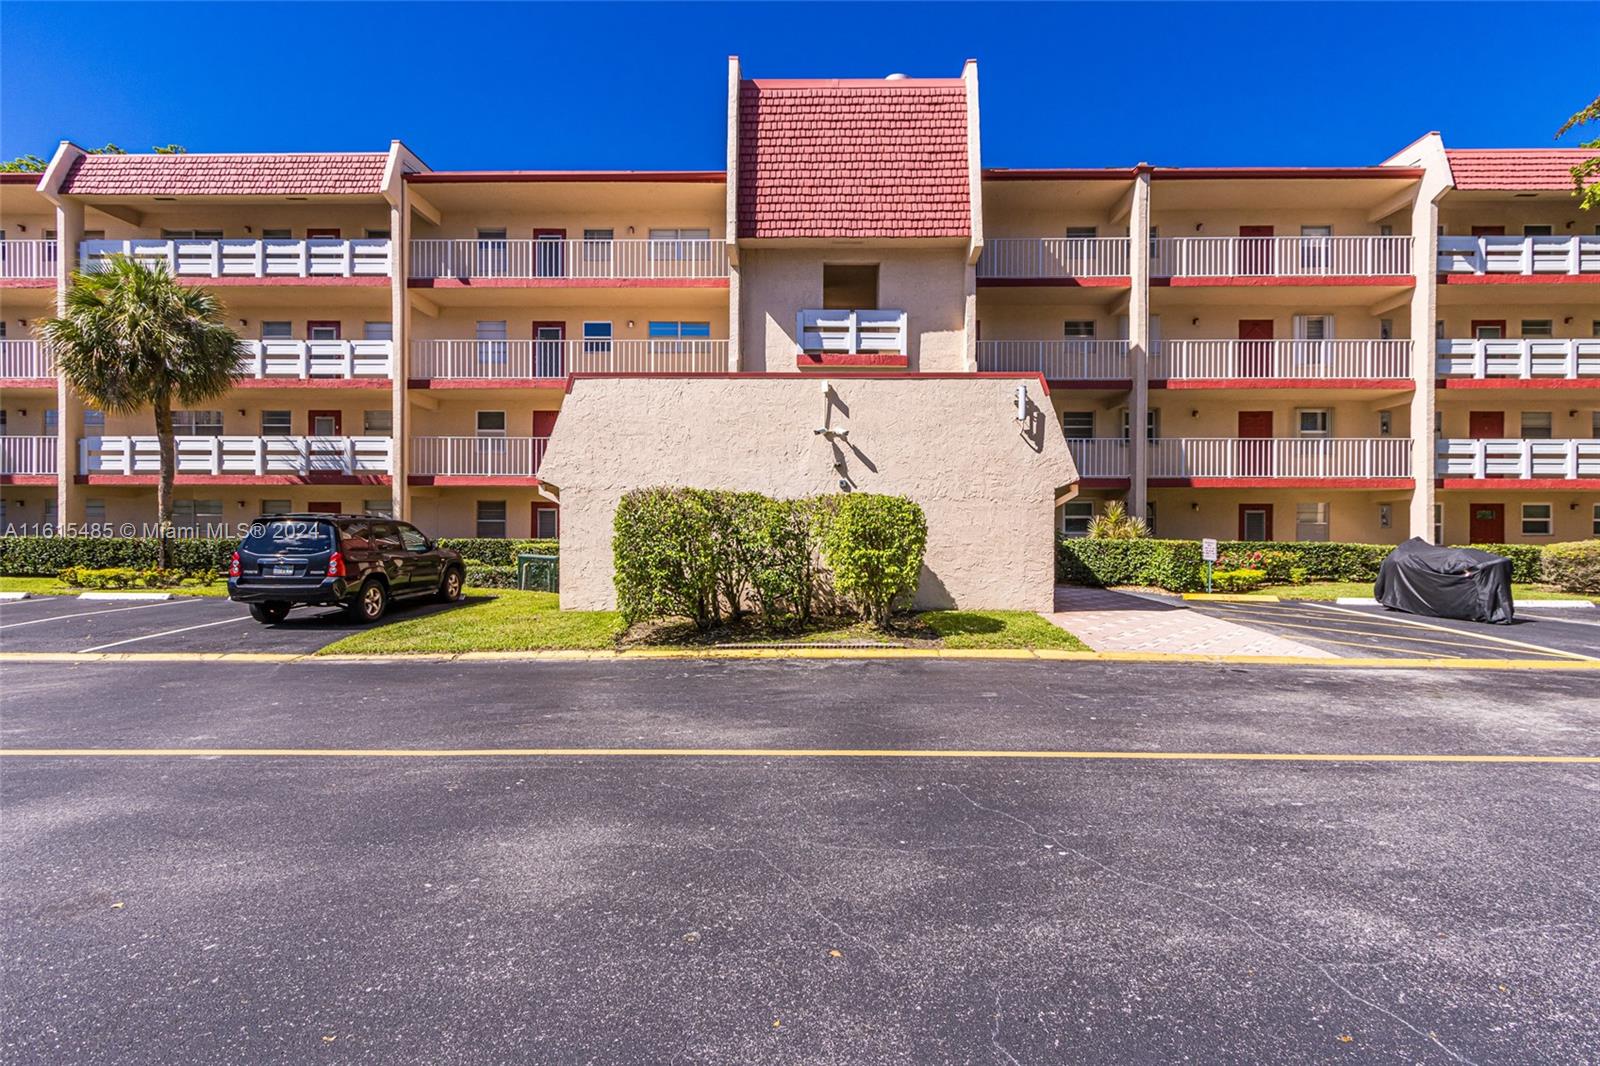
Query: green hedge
x=1322, y=560
x=1174, y=565
x=874, y=545
x=1525, y=558
x=498, y=551
x=482, y=575
x=1573, y=567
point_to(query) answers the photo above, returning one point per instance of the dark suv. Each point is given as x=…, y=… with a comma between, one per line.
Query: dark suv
x=361, y=562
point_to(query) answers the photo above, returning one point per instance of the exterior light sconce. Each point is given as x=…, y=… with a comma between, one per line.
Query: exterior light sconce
x=1194, y=321
x=1567, y=321
x=1572, y=414
x=1194, y=412
x=630, y=323
x=23, y=227
x=1573, y=506
x=23, y=411
x=1194, y=505
x=1022, y=403
x=630, y=230
x=831, y=434
x=1198, y=226
x=247, y=229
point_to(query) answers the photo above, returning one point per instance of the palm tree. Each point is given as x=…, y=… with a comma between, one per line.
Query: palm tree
x=133, y=337
x=1116, y=524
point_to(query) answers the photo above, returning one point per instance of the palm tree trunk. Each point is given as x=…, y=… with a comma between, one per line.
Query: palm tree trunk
x=167, y=448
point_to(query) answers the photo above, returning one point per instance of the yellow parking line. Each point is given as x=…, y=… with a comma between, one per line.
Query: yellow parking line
x=1468, y=642
x=1475, y=636
x=790, y=753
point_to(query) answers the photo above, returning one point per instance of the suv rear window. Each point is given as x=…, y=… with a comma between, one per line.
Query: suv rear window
x=288, y=536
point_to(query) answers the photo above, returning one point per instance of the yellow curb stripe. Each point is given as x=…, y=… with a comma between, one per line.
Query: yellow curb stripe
x=1229, y=597
x=792, y=753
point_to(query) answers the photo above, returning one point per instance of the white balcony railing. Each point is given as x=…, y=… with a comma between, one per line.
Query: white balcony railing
x=1058, y=360
x=477, y=456
x=239, y=455
x=1280, y=457
x=860, y=332
x=27, y=259
x=523, y=359
x=1520, y=255
x=1025, y=258
x=1520, y=357
x=302, y=360
x=570, y=259
x=1283, y=359
x=1099, y=456
x=26, y=359
x=317, y=257
x=27, y=455
x=1518, y=458
x=1283, y=257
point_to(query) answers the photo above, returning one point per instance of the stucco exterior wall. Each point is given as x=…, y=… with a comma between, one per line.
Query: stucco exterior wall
x=1352, y=515
x=987, y=482
x=929, y=284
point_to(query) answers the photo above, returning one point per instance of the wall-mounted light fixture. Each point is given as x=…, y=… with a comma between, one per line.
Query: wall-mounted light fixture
x=1567, y=321
x=1194, y=505
x=24, y=228
x=247, y=229
x=1194, y=412
x=630, y=323
x=1198, y=226
x=1194, y=322
x=630, y=230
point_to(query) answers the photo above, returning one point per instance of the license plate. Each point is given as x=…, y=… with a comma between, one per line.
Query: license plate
x=282, y=571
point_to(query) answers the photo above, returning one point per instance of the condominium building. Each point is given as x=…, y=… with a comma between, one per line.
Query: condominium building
x=1364, y=353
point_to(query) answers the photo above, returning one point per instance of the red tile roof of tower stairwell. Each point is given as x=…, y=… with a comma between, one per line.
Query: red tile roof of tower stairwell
x=288, y=174
x=1515, y=168
x=853, y=158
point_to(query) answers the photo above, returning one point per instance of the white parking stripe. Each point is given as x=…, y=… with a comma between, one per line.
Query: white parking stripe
x=166, y=633
x=86, y=614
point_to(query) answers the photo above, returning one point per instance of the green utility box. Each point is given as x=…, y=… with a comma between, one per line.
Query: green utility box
x=541, y=573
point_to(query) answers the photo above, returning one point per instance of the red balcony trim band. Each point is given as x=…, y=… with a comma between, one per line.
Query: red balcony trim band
x=1267, y=281
x=1519, y=279
x=1117, y=384
x=471, y=479
x=1519, y=383
x=1542, y=484
x=1059, y=174
x=1282, y=483
x=27, y=283
x=27, y=383
x=796, y=375
x=567, y=283
x=27, y=479
x=486, y=383
x=818, y=360
x=314, y=383
x=1235, y=173
x=1111, y=282
x=1282, y=383
x=236, y=479
x=1103, y=483
x=357, y=281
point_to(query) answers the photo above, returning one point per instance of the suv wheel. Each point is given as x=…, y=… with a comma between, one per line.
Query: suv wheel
x=450, y=587
x=269, y=613
x=370, y=602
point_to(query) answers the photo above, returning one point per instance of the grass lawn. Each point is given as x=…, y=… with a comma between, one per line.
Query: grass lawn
x=1332, y=590
x=999, y=629
x=50, y=586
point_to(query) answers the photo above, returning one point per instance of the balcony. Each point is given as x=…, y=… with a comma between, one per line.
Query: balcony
x=1524, y=256
x=1099, y=457
x=1054, y=258
x=26, y=361
x=875, y=337
x=1058, y=360
x=245, y=258
x=1544, y=460
x=1280, y=257
x=1287, y=459
x=27, y=260
x=579, y=261
x=443, y=458
x=1298, y=361
x=526, y=360
x=1519, y=358
x=27, y=457
x=307, y=457
x=296, y=360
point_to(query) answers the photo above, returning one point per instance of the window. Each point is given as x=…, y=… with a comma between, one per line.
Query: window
x=491, y=253
x=94, y=510
x=1386, y=230
x=1438, y=329
x=277, y=506
x=686, y=333
x=849, y=286
x=670, y=243
x=491, y=518
x=1536, y=231
x=1314, y=422
x=50, y=511
x=52, y=419
x=1075, y=516
x=1152, y=423
x=377, y=331
x=1538, y=519
x=194, y=234
x=378, y=423
x=377, y=234
x=385, y=535
x=1385, y=423
x=1314, y=252
x=1538, y=327
x=197, y=423
x=378, y=507
x=275, y=331
x=1594, y=327
x=94, y=422
x=1488, y=331
x=1594, y=424
x=412, y=538
x=597, y=337
x=1313, y=327
x=1386, y=329
x=1536, y=425
x=491, y=234
x=1595, y=525
x=1438, y=523
x=1079, y=328
x=1310, y=521
x=545, y=523
x=1081, y=233
x=276, y=234
x=196, y=514
x=322, y=331
x=1385, y=515
x=491, y=336
x=277, y=423
x=1077, y=424
x=1150, y=516
x=491, y=423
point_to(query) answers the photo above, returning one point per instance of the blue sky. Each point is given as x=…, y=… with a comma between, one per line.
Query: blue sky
x=642, y=86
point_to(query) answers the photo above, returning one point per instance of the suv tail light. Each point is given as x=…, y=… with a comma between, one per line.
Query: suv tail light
x=233, y=565
x=336, y=565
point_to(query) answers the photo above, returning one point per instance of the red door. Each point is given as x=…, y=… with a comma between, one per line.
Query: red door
x=549, y=253
x=1488, y=524
x=1255, y=348
x=548, y=346
x=324, y=423
x=546, y=521
x=1255, y=443
x=1489, y=231
x=326, y=507
x=1255, y=521
x=316, y=234
x=1486, y=425
x=1255, y=250
x=543, y=423
x=1488, y=328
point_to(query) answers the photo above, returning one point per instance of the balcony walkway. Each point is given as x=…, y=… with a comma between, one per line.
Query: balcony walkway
x=1120, y=621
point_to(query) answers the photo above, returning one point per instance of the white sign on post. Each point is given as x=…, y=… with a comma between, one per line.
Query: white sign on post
x=1208, y=550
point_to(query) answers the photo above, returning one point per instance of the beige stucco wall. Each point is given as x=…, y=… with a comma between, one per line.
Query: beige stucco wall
x=987, y=482
x=1570, y=416
x=929, y=284
x=1352, y=515
x=1571, y=522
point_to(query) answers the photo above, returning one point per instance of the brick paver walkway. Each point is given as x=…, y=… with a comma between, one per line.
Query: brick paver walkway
x=1118, y=621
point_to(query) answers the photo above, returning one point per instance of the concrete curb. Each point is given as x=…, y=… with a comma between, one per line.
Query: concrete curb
x=12, y=597
x=1543, y=605
x=124, y=595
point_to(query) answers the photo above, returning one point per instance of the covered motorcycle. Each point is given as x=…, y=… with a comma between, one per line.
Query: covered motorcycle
x=1421, y=578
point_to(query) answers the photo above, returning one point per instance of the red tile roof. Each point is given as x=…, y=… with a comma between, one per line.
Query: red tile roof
x=1515, y=168
x=297, y=174
x=853, y=159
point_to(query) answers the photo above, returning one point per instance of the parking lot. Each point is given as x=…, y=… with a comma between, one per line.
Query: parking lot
x=183, y=624
x=1369, y=631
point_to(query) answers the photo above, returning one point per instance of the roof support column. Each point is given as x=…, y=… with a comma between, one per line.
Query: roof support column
x=69, y=408
x=1139, y=344
x=400, y=330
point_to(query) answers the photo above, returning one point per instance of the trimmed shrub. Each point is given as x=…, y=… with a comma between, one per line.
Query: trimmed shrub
x=498, y=551
x=1573, y=567
x=1525, y=558
x=786, y=576
x=664, y=558
x=1244, y=580
x=1276, y=563
x=489, y=576
x=48, y=556
x=1174, y=565
x=874, y=546
x=1322, y=560
x=122, y=577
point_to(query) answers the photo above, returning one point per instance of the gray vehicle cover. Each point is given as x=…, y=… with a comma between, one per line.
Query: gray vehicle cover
x=1420, y=578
